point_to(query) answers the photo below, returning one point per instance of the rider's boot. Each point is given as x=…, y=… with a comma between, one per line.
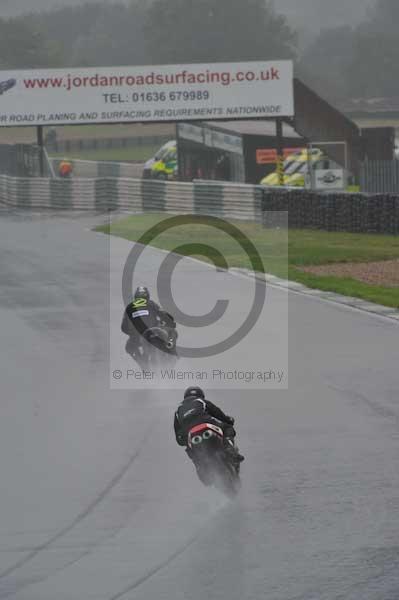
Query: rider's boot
x=232, y=450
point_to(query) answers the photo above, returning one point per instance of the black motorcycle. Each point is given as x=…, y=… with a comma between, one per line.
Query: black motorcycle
x=157, y=348
x=215, y=466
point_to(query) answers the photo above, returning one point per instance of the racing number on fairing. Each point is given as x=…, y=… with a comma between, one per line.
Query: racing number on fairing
x=139, y=303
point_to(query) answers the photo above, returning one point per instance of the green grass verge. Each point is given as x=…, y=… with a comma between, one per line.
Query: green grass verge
x=134, y=153
x=282, y=252
x=387, y=296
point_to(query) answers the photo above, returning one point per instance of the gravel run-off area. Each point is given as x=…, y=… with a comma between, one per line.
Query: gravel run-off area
x=385, y=273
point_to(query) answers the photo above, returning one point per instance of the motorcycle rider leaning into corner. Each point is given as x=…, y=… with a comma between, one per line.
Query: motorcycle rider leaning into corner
x=195, y=409
x=142, y=314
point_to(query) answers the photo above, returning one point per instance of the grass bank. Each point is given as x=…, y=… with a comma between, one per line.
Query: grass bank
x=282, y=254
x=134, y=153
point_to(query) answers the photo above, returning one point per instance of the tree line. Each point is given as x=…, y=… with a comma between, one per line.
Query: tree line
x=360, y=62
x=343, y=62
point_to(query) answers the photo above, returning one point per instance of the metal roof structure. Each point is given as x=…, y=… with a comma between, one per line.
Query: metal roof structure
x=258, y=127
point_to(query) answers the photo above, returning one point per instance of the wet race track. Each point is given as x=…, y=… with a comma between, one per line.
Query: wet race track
x=97, y=500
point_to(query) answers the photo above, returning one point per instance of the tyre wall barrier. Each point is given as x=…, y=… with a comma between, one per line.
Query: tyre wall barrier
x=355, y=213
x=137, y=195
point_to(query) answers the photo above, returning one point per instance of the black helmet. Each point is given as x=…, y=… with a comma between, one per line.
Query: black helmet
x=142, y=292
x=194, y=392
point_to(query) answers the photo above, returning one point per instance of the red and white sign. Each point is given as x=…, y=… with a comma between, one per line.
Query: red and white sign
x=144, y=94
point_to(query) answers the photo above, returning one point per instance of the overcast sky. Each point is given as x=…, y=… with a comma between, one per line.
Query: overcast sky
x=324, y=13
x=313, y=13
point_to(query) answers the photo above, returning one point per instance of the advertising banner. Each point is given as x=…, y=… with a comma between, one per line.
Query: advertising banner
x=147, y=94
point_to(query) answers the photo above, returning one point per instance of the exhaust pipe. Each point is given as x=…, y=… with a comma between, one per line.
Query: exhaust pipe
x=170, y=344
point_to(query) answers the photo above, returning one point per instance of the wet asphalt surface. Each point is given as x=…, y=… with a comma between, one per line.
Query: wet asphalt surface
x=98, y=502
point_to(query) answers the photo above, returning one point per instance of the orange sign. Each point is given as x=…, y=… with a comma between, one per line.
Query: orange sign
x=265, y=156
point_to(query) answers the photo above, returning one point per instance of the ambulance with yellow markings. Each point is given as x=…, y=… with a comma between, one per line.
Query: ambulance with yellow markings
x=165, y=168
x=296, y=167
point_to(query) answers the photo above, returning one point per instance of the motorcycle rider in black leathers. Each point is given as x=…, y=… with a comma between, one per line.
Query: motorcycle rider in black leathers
x=195, y=409
x=142, y=314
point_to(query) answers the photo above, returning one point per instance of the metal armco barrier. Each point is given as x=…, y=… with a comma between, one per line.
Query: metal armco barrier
x=109, y=143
